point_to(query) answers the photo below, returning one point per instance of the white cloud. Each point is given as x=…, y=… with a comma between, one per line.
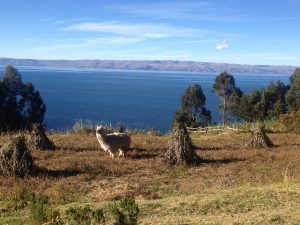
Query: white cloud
x=91, y=42
x=118, y=40
x=222, y=45
x=146, y=30
x=176, y=9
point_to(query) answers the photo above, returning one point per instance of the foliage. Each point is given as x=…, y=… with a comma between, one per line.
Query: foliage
x=193, y=112
x=79, y=215
x=20, y=104
x=37, y=204
x=125, y=212
x=291, y=121
x=40, y=211
x=85, y=215
x=293, y=94
x=230, y=95
x=264, y=104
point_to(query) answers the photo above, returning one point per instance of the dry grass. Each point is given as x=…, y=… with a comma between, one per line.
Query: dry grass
x=234, y=185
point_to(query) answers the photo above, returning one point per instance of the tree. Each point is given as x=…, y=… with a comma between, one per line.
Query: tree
x=234, y=103
x=264, y=104
x=1, y=107
x=12, y=87
x=193, y=112
x=275, y=96
x=230, y=95
x=20, y=104
x=292, y=96
x=245, y=109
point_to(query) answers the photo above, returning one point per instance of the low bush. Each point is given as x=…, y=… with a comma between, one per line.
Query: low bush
x=40, y=210
x=85, y=215
x=83, y=127
x=125, y=212
x=291, y=121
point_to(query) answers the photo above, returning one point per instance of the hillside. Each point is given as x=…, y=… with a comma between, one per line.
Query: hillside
x=233, y=185
x=156, y=65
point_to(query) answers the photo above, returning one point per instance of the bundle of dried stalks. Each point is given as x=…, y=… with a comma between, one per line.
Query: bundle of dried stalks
x=259, y=139
x=39, y=139
x=15, y=159
x=180, y=149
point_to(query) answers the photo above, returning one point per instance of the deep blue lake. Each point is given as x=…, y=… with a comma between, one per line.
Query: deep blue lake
x=137, y=99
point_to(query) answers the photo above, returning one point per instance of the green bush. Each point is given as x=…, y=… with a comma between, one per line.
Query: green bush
x=40, y=211
x=85, y=215
x=37, y=204
x=125, y=212
x=17, y=198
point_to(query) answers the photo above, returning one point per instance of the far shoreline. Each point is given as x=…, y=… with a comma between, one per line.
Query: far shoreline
x=149, y=65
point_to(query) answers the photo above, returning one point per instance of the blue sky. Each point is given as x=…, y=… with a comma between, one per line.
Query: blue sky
x=233, y=31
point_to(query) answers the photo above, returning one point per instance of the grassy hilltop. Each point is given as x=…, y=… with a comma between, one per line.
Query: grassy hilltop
x=234, y=185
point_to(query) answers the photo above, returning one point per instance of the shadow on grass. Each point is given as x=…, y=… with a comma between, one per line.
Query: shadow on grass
x=221, y=161
x=215, y=148
x=77, y=149
x=57, y=173
x=140, y=153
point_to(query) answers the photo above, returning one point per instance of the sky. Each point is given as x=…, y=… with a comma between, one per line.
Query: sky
x=257, y=32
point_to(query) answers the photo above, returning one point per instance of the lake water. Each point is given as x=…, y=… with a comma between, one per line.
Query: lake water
x=137, y=99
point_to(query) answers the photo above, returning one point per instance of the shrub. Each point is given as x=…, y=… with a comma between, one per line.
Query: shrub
x=37, y=204
x=125, y=212
x=85, y=215
x=291, y=121
x=17, y=198
x=83, y=127
x=40, y=211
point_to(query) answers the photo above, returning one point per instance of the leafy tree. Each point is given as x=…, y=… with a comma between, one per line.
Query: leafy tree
x=33, y=108
x=245, y=109
x=275, y=96
x=234, y=103
x=12, y=87
x=292, y=96
x=193, y=112
x=1, y=107
x=20, y=104
x=230, y=95
x=264, y=104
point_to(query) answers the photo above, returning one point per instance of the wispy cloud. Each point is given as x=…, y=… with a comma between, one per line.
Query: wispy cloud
x=190, y=9
x=222, y=45
x=146, y=30
x=91, y=42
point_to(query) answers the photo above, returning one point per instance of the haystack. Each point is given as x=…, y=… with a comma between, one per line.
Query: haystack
x=39, y=139
x=180, y=149
x=15, y=159
x=259, y=139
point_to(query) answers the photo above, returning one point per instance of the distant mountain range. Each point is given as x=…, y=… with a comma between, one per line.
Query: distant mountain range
x=157, y=65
